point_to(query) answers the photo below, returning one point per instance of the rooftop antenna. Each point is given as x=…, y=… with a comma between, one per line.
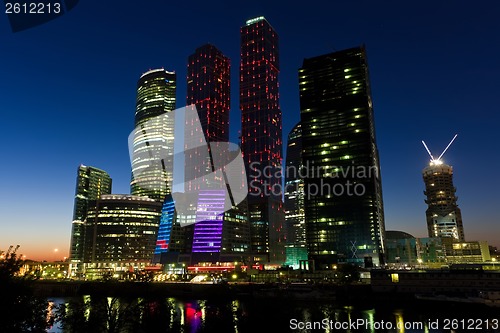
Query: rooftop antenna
x=438, y=160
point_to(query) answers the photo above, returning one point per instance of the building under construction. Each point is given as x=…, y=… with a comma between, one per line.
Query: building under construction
x=444, y=218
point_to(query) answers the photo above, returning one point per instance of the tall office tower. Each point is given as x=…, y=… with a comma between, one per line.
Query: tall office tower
x=221, y=226
x=444, y=218
x=120, y=232
x=91, y=183
x=294, y=189
x=208, y=88
x=294, y=200
x=153, y=136
x=343, y=192
x=261, y=137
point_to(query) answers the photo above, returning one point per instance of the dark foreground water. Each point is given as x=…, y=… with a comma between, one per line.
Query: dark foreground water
x=270, y=315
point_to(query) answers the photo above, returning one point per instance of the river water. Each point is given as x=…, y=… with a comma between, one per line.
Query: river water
x=278, y=315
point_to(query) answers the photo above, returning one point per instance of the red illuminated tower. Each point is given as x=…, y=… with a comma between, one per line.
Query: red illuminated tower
x=261, y=139
x=208, y=87
x=226, y=236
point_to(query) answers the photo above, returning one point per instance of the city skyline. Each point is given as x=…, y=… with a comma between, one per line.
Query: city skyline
x=439, y=81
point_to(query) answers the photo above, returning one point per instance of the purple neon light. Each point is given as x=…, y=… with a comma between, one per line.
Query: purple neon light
x=209, y=219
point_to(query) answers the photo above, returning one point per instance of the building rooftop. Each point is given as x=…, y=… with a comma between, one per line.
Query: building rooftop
x=157, y=70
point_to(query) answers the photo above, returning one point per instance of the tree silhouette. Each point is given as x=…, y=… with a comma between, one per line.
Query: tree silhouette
x=20, y=310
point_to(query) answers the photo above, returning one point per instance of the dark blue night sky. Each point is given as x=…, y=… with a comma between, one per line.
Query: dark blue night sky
x=68, y=97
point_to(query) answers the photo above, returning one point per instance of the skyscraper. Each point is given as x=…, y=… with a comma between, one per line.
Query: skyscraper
x=294, y=189
x=444, y=218
x=261, y=135
x=153, y=136
x=208, y=88
x=91, y=183
x=218, y=230
x=343, y=194
x=294, y=199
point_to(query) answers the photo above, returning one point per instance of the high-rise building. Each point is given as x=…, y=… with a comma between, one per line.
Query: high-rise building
x=294, y=200
x=343, y=193
x=221, y=227
x=261, y=136
x=120, y=233
x=153, y=136
x=294, y=189
x=91, y=183
x=208, y=88
x=444, y=218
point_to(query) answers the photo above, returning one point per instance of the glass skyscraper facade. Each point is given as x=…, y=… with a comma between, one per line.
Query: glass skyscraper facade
x=120, y=233
x=91, y=183
x=444, y=217
x=294, y=200
x=261, y=136
x=294, y=190
x=221, y=224
x=153, y=136
x=343, y=194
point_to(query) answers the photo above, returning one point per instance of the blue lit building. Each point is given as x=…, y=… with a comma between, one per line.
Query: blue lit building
x=165, y=228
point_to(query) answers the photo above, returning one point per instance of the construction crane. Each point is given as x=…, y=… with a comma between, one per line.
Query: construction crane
x=437, y=161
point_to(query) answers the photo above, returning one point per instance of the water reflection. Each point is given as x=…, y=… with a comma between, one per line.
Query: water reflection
x=109, y=314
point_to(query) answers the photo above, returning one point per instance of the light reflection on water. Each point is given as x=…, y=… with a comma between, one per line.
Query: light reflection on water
x=273, y=315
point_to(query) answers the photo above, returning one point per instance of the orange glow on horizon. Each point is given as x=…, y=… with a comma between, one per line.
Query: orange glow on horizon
x=40, y=253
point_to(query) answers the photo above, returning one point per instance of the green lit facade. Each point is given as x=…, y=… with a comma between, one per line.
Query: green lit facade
x=91, y=183
x=343, y=194
x=153, y=136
